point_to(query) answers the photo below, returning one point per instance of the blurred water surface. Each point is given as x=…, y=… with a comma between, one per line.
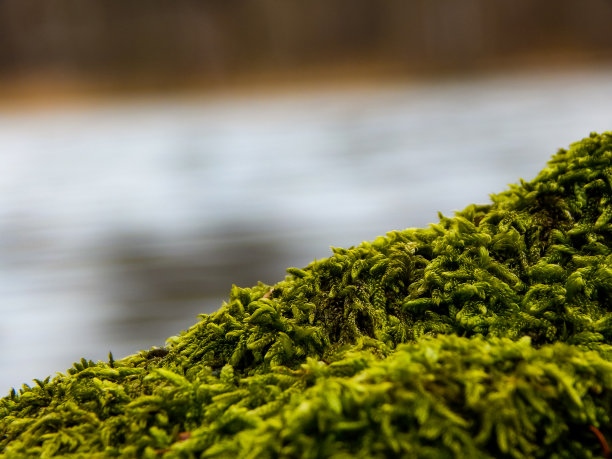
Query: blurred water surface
x=121, y=221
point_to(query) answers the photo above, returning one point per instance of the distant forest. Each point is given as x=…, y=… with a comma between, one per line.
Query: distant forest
x=218, y=39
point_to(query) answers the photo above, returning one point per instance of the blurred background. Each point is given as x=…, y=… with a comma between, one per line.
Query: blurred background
x=154, y=153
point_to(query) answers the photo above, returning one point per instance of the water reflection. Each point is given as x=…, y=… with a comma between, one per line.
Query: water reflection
x=119, y=223
x=159, y=282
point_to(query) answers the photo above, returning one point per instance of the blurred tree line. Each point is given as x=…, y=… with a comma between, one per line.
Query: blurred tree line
x=218, y=39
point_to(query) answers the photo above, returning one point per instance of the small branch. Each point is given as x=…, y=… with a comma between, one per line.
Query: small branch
x=602, y=441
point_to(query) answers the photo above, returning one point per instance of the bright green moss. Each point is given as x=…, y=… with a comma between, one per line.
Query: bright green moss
x=486, y=335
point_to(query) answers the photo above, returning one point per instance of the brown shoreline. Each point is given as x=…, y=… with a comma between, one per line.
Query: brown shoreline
x=51, y=89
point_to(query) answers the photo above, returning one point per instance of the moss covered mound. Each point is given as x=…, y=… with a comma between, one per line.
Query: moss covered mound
x=486, y=335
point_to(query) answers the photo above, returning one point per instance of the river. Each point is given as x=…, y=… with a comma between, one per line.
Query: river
x=122, y=220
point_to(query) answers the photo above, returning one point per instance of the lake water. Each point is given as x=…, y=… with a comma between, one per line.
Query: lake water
x=121, y=221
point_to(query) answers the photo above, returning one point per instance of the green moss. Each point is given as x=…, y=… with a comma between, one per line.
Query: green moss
x=486, y=335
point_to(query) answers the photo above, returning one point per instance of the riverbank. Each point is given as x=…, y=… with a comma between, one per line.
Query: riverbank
x=40, y=90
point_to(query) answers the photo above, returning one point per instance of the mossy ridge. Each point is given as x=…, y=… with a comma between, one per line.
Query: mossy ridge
x=536, y=263
x=440, y=397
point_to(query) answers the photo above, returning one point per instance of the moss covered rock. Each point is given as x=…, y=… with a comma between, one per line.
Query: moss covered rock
x=486, y=335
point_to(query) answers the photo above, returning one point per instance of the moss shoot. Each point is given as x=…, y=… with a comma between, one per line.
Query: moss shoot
x=486, y=335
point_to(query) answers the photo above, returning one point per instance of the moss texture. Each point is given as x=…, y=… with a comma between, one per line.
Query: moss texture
x=486, y=335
